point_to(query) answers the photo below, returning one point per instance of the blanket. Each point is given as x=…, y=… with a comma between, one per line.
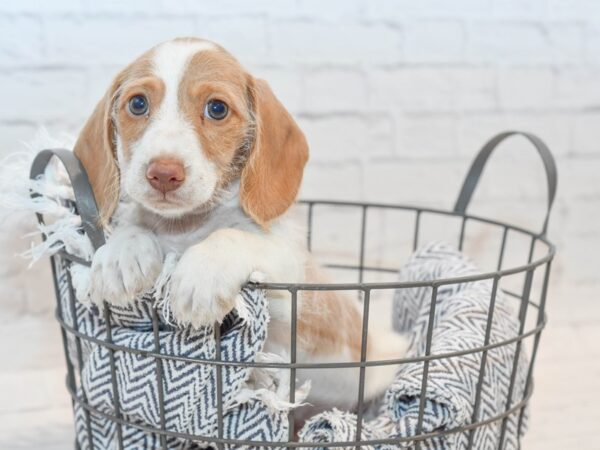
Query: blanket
x=459, y=324
x=251, y=409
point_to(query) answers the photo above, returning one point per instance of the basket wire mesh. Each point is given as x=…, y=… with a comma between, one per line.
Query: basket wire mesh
x=540, y=252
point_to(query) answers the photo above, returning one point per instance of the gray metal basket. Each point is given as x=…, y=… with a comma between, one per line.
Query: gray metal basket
x=539, y=250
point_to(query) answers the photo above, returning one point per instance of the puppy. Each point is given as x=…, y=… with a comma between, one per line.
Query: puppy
x=189, y=152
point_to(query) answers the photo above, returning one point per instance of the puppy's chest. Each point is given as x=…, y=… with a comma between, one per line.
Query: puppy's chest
x=179, y=243
x=220, y=218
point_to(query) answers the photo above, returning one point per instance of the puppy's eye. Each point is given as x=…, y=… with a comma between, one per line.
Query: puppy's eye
x=216, y=109
x=138, y=105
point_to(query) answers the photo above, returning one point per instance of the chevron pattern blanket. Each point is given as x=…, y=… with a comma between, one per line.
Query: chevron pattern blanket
x=459, y=324
x=190, y=389
x=252, y=412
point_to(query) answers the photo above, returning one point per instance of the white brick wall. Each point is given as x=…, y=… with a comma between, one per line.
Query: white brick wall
x=394, y=96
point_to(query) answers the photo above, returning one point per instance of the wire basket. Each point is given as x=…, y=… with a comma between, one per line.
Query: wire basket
x=520, y=261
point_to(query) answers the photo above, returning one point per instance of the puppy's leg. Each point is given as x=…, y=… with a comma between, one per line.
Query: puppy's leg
x=207, y=280
x=126, y=266
x=383, y=345
x=330, y=330
x=339, y=340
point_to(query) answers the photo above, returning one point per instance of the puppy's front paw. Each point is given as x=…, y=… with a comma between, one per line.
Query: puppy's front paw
x=126, y=267
x=205, y=285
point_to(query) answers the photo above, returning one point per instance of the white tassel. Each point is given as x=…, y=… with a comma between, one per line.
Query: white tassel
x=80, y=278
x=272, y=386
x=62, y=226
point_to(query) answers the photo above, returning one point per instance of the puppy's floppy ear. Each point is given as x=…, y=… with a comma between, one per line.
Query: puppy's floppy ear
x=96, y=150
x=272, y=175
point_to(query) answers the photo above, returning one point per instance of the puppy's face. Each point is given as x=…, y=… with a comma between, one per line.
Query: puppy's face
x=182, y=122
x=182, y=126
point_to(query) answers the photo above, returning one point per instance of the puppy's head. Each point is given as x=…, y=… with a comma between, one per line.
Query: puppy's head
x=182, y=122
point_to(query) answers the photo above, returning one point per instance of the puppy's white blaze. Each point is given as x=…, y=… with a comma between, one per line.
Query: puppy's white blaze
x=171, y=134
x=169, y=62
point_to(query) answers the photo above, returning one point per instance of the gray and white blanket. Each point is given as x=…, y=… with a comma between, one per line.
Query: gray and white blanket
x=190, y=389
x=253, y=409
x=459, y=324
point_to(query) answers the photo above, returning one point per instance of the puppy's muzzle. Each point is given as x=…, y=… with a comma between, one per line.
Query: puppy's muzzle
x=165, y=175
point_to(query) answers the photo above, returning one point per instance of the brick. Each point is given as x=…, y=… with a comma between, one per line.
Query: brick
x=521, y=43
x=146, y=7
x=335, y=90
x=577, y=88
x=332, y=181
x=572, y=9
x=592, y=43
x=586, y=134
x=578, y=179
x=302, y=9
x=42, y=95
x=516, y=9
x=245, y=37
x=20, y=41
x=428, y=41
x=526, y=213
x=229, y=8
x=286, y=85
x=427, y=183
x=101, y=40
x=525, y=88
x=41, y=7
x=317, y=9
x=426, y=136
x=293, y=42
x=474, y=130
x=98, y=81
x=568, y=42
x=336, y=237
x=347, y=138
x=514, y=173
x=553, y=128
x=582, y=217
x=580, y=260
x=397, y=10
x=433, y=90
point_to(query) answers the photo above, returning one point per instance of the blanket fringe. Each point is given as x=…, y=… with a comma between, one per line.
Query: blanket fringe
x=272, y=386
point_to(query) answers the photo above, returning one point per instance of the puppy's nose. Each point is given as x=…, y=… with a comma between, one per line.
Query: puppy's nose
x=165, y=174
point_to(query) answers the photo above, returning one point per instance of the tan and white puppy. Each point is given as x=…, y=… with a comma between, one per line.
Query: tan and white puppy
x=189, y=152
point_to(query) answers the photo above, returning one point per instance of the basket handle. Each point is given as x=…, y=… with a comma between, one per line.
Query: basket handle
x=481, y=159
x=84, y=196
